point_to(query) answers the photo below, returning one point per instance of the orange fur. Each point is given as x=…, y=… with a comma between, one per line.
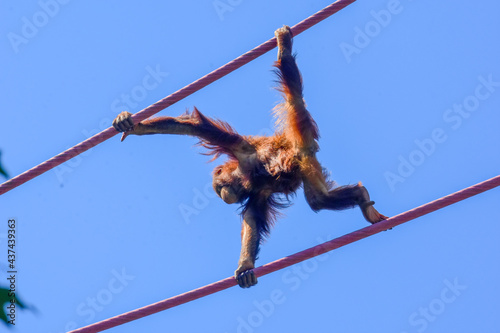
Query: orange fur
x=262, y=172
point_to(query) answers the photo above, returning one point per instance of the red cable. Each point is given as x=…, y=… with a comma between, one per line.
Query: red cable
x=294, y=258
x=171, y=99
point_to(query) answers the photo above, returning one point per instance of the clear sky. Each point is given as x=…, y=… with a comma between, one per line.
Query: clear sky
x=407, y=98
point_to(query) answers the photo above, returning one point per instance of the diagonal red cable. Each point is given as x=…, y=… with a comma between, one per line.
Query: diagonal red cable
x=171, y=99
x=295, y=258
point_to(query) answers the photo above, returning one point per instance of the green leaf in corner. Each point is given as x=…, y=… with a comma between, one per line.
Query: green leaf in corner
x=5, y=300
x=2, y=170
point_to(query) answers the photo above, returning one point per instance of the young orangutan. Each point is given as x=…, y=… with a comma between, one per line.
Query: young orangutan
x=260, y=168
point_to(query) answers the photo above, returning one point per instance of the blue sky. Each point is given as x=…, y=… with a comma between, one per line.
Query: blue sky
x=406, y=95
